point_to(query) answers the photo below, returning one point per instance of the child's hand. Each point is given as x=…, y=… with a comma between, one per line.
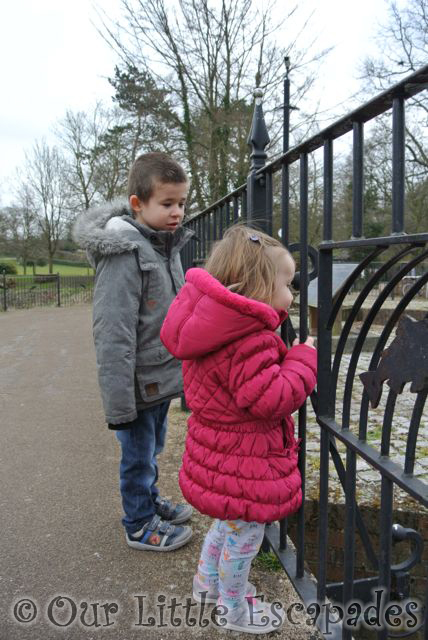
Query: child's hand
x=309, y=342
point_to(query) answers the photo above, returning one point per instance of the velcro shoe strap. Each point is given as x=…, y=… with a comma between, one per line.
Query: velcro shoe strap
x=153, y=524
x=165, y=508
x=166, y=528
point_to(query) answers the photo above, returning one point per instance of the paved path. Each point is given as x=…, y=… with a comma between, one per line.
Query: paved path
x=60, y=509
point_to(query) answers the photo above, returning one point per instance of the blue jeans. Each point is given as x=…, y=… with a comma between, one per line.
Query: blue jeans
x=138, y=467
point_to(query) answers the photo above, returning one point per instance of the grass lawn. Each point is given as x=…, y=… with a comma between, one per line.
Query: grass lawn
x=62, y=269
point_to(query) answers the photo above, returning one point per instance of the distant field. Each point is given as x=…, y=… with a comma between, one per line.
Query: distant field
x=62, y=269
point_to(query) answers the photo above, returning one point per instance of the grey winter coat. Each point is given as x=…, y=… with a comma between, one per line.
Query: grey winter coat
x=138, y=274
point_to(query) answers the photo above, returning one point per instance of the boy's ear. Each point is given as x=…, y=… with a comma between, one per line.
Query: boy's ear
x=135, y=203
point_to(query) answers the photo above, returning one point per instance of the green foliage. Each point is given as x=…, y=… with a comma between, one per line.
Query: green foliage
x=8, y=267
x=267, y=561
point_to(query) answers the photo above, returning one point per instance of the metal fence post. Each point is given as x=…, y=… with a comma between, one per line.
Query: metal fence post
x=58, y=289
x=4, y=291
x=256, y=184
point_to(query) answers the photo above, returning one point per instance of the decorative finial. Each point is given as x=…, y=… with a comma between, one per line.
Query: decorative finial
x=258, y=94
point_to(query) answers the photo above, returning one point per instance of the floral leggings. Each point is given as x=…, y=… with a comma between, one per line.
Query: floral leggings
x=225, y=562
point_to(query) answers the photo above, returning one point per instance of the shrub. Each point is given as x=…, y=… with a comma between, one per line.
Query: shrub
x=8, y=267
x=41, y=262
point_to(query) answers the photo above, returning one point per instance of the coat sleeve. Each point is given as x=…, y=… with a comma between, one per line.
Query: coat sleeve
x=267, y=386
x=117, y=296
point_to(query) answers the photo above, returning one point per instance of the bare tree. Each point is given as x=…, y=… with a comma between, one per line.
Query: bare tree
x=403, y=47
x=43, y=179
x=22, y=222
x=402, y=42
x=78, y=133
x=96, y=147
x=207, y=59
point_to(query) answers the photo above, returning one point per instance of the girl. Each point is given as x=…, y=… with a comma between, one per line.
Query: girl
x=242, y=385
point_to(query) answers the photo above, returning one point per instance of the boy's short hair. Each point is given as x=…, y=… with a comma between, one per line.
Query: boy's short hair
x=149, y=168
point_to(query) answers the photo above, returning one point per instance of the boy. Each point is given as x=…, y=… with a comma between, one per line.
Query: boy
x=134, y=247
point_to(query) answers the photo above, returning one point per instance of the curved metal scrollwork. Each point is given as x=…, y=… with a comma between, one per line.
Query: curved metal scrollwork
x=313, y=256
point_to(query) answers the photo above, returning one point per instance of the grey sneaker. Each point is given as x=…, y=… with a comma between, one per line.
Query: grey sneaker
x=210, y=596
x=158, y=535
x=173, y=513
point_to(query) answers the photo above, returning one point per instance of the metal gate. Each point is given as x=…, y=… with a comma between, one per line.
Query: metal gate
x=404, y=361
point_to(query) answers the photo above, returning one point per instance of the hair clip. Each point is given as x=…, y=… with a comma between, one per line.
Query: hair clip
x=254, y=238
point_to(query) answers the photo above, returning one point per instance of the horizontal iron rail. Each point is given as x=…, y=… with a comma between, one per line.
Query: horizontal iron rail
x=415, y=238
x=387, y=467
x=219, y=203
x=406, y=88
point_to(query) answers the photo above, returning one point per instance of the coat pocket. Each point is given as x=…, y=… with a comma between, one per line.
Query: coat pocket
x=158, y=373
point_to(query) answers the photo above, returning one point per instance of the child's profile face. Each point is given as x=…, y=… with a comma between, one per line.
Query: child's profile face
x=164, y=211
x=282, y=296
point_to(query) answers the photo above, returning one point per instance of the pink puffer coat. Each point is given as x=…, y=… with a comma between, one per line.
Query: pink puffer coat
x=241, y=384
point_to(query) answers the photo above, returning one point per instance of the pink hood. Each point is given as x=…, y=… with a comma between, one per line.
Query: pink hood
x=211, y=317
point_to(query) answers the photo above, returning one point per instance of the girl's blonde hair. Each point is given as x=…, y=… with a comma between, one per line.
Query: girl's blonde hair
x=242, y=262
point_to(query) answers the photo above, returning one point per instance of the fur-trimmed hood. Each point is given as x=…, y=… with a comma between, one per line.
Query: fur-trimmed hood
x=110, y=229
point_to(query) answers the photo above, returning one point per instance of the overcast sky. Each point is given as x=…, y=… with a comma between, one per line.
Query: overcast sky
x=53, y=59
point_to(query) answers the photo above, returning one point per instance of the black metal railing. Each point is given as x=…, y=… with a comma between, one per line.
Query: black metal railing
x=24, y=292
x=403, y=273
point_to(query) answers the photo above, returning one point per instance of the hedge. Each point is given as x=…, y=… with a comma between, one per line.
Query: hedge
x=8, y=267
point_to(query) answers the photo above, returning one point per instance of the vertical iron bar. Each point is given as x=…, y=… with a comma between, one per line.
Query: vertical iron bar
x=328, y=190
x=235, y=209
x=303, y=334
x=221, y=211
x=189, y=253
x=324, y=346
x=285, y=205
x=58, y=290
x=269, y=203
x=4, y=291
x=283, y=525
x=285, y=172
x=398, y=165
x=215, y=224
x=192, y=246
x=189, y=250
x=209, y=216
x=325, y=405
x=349, y=533
x=199, y=238
x=227, y=207
x=204, y=237
x=303, y=327
x=385, y=542
x=244, y=205
x=285, y=231
x=358, y=181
